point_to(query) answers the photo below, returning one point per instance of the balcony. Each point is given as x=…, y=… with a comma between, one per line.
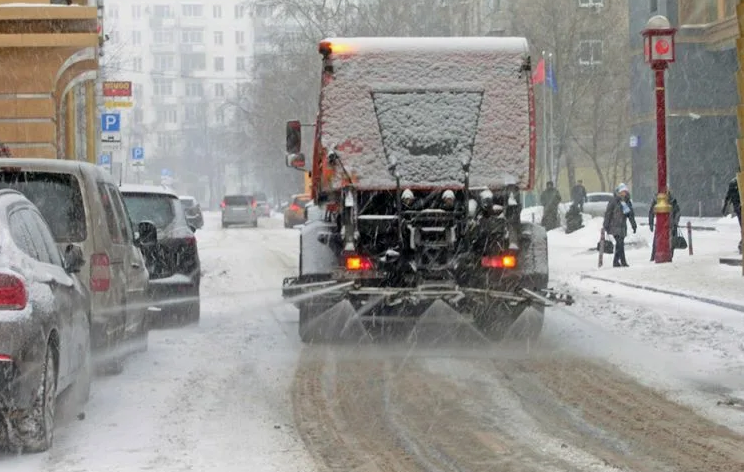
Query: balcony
x=163, y=48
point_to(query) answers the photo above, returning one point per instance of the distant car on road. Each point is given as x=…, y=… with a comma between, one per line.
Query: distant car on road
x=172, y=254
x=193, y=211
x=239, y=210
x=45, y=345
x=262, y=204
x=294, y=214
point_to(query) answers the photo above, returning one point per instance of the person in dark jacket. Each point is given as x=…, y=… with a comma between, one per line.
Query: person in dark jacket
x=619, y=211
x=733, y=198
x=674, y=222
x=578, y=195
x=550, y=199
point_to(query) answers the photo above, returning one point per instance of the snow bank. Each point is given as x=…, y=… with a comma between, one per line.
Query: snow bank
x=430, y=106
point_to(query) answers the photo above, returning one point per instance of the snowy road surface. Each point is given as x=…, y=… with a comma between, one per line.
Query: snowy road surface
x=240, y=393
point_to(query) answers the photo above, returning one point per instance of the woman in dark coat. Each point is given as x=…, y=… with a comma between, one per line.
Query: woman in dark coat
x=619, y=210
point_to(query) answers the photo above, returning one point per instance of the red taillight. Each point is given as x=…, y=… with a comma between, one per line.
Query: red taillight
x=191, y=241
x=358, y=263
x=100, y=272
x=5, y=358
x=254, y=204
x=13, y=295
x=294, y=207
x=507, y=261
x=222, y=204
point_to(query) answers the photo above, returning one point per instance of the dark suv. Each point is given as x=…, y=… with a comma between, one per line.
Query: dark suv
x=172, y=258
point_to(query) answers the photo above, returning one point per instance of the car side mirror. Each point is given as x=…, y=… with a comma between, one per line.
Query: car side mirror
x=148, y=233
x=73, y=259
x=296, y=161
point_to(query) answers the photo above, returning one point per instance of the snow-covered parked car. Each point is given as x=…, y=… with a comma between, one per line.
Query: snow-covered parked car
x=596, y=203
x=45, y=346
x=172, y=254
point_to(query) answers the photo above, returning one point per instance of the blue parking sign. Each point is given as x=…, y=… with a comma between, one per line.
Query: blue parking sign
x=104, y=159
x=138, y=154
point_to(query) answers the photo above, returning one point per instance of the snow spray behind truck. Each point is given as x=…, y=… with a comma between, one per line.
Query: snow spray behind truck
x=421, y=149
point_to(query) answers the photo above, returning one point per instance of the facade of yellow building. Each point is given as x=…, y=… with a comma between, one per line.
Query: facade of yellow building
x=48, y=72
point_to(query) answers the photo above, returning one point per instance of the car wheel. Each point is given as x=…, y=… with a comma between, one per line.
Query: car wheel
x=34, y=429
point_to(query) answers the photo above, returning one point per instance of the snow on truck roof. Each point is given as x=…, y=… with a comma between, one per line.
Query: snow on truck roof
x=430, y=44
x=465, y=99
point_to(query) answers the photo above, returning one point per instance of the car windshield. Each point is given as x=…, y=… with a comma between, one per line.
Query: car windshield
x=58, y=198
x=151, y=207
x=301, y=201
x=237, y=200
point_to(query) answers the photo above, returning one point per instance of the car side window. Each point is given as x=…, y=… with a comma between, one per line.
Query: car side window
x=122, y=216
x=38, y=242
x=43, y=239
x=108, y=209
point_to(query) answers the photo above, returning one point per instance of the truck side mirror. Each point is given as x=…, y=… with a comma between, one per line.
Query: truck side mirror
x=294, y=137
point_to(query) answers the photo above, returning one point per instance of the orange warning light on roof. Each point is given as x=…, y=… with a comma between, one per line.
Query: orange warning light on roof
x=326, y=48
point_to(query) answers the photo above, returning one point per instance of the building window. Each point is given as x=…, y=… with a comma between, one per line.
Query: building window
x=163, y=62
x=703, y=12
x=137, y=64
x=192, y=36
x=136, y=11
x=591, y=3
x=136, y=38
x=219, y=64
x=194, y=89
x=162, y=87
x=112, y=11
x=218, y=38
x=239, y=37
x=219, y=115
x=219, y=90
x=193, y=62
x=195, y=11
x=239, y=11
x=240, y=63
x=163, y=11
x=217, y=11
x=163, y=37
x=167, y=115
x=590, y=52
x=193, y=113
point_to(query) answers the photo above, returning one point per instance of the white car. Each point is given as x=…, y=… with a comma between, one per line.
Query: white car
x=596, y=203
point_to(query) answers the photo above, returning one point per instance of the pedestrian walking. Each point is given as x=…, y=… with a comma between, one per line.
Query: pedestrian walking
x=619, y=212
x=578, y=195
x=733, y=199
x=550, y=199
x=673, y=222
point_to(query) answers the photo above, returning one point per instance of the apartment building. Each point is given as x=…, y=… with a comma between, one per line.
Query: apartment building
x=187, y=61
x=702, y=102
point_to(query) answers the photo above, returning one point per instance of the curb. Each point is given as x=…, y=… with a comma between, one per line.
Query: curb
x=710, y=301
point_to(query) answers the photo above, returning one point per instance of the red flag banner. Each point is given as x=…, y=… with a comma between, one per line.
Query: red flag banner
x=539, y=76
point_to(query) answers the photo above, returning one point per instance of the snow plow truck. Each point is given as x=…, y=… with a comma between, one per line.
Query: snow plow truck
x=421, y=149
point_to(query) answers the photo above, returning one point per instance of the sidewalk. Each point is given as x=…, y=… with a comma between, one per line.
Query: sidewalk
x=700, y=276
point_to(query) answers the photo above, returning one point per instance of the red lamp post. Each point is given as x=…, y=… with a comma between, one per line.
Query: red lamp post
x=658, y=47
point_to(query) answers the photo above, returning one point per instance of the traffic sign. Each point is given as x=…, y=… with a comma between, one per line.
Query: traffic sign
x=138, y=156
x=104, y=160
x=110, y=122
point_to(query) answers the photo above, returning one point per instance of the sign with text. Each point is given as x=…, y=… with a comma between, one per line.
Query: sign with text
x=117, y=89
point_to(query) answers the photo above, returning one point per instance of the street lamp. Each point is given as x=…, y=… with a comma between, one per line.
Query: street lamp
x=658, y=48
